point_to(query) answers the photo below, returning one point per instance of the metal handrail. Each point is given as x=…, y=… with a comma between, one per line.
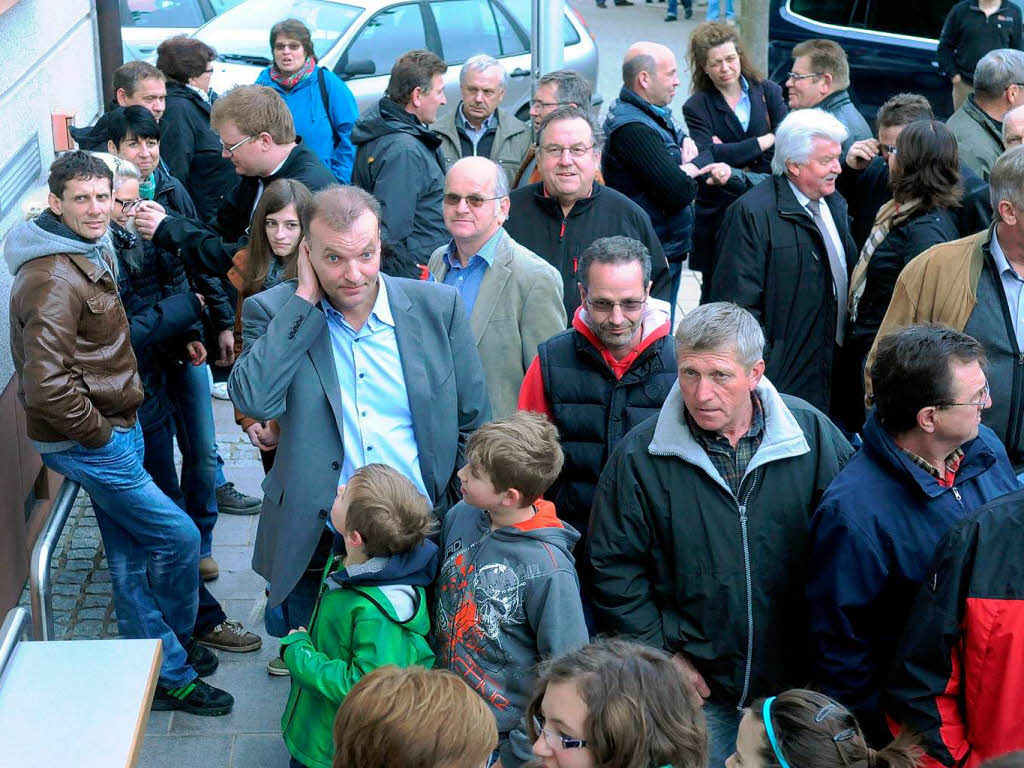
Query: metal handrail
x=39, y=585
x=14, y=629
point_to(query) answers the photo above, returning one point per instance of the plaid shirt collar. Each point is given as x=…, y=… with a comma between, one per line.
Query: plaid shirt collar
x=708, y=438
x=952, y=465
x=731, y=462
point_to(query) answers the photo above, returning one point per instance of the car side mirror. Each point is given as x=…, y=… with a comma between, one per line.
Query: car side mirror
x=357, y=68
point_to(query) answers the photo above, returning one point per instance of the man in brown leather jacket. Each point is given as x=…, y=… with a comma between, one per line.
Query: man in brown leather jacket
x=80, y=387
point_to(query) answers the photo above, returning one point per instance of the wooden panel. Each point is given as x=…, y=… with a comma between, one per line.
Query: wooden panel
x=13, y=546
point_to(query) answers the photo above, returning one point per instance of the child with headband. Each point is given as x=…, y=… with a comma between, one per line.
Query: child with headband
x=806, y=729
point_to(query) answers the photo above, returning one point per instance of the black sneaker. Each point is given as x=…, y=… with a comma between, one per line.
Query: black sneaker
x=688, y=13
x=201, y=659
x=231, y=501
x=196, y=698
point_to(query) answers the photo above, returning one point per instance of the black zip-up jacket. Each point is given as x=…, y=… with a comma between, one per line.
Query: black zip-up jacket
x=968, y=34
x=681, y=563
x=212, y=249
x=536, y=222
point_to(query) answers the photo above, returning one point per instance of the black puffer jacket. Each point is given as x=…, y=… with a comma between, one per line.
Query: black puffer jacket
x=399, y=161
x=94, y=138
x=682, y=564
x=192, y=151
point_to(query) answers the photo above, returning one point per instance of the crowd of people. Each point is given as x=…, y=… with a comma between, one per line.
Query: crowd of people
x=780, y=529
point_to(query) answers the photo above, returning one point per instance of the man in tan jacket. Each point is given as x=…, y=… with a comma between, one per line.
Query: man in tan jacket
x=976, y=285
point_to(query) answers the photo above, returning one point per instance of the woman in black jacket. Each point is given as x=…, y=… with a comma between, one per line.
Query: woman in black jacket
x=189, y=146
x=924, y=171
x=732, y=113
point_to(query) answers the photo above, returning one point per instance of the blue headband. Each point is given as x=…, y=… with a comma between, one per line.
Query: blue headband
x=766, y=714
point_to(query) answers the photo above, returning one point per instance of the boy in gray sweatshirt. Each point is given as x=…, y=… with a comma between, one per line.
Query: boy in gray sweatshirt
x=507, y=595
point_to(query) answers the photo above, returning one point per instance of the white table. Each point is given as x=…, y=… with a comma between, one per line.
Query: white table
x=81, y=703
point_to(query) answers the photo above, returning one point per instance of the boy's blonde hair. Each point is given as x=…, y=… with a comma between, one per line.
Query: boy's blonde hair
x=381, y=722
x=387, y=511
x=520, y=451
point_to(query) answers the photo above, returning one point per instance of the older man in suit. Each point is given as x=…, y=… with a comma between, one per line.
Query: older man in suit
x=513, y=297
x=357, y=367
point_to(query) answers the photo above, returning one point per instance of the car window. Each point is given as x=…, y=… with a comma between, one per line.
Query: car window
x=167, y=13
x=387, y=36
x=919, y=18
x=521, y=9
x=219, y=6
x=241, y=33
x=512, y=42
x=467, y=27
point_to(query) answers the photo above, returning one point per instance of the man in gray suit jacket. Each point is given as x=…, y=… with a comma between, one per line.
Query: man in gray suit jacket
x=513, y=297
x=357, y=368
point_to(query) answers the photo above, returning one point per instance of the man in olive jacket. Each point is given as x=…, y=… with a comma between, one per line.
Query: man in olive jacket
x=699, y=530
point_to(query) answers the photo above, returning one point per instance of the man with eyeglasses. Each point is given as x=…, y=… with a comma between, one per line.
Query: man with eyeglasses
x=560, y=216
x=512, y=296
x=977, y=125
x=821, y=78
x=976, y=285
x=926, y=464
x=607, y=373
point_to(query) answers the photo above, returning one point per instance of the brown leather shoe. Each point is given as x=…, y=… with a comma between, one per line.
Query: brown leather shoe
x=231, y=636
x=208, y=569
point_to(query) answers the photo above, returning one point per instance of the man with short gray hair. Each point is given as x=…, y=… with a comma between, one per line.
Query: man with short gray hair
x=976, y=285
x=561, y=88
x=478, y=126
x=998, y=88
x=698, y=532
x=785, y=253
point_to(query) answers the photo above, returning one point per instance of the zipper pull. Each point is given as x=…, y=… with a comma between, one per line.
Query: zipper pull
x=743, y=512
x=956, y=493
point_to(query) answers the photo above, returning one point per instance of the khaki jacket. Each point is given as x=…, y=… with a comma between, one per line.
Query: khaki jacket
x=511, y=140
x=519, y=306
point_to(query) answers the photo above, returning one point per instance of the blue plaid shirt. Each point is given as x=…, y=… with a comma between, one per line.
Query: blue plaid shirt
x=467, y=280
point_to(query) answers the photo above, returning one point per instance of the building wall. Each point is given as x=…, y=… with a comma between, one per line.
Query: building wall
x=51, y=61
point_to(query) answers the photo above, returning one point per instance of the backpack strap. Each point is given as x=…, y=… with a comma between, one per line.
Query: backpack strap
x=326, y=99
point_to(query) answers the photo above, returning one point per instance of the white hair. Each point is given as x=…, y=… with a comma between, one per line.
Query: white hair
x=794, y=138
x=123, y=170
x=481, y=63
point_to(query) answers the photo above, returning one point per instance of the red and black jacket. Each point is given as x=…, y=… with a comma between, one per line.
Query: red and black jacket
x=960, y=681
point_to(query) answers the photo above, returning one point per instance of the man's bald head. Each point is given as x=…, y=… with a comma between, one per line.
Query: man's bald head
x=649, y=70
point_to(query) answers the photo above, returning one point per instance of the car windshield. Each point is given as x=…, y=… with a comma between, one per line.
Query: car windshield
x=242, y=33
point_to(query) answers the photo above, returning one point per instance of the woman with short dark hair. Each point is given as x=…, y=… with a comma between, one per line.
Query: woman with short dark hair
x=924, y=172
x=189, y=147
x=322, y=106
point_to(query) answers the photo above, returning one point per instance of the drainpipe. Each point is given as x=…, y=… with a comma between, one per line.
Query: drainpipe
x=108, y=26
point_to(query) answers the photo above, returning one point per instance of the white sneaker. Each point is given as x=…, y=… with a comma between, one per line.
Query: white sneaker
x=220, y=390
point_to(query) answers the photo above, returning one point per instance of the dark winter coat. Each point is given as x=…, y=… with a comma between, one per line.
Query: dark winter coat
x=707, y=115
x=192, y=151
x=536, y=222
x=771, y=259
x=683, y=564
x=399, y=161
x=870, y=559
x=842, y=108
x=968, y=34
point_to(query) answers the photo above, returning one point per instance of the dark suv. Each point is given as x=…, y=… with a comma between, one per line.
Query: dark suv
x=892, y=46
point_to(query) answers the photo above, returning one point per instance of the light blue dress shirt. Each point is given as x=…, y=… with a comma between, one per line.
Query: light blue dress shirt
x=376, y=417
x=474, y=134
x=467, y=280
x=742, y=110
x=1013, y=287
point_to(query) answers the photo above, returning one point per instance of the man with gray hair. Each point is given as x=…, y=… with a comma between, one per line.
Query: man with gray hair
x=698, y=533
x=512, y=296
x=976, y=285
x=561, y=88
x=785, y=253
x=478, y=126
x=998, y=88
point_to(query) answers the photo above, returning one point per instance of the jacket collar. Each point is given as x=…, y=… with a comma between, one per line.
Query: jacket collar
x=551, y=206
x=783, y=437
x=661, y=114
x=981, y=117
x=835, y=101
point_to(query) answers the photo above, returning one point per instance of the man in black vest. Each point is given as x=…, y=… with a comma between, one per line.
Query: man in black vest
x=606, y=374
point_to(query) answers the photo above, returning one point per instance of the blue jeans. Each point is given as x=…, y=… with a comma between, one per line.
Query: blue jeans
x=152, y=547
x=673, y=8
x=713, y=10
x=188, y=387
x=723, y=723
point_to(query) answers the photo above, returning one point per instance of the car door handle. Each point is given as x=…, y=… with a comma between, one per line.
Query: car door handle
x=519, y=72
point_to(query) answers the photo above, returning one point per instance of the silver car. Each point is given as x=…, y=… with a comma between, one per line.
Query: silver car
x=147, y=23
x=359, y=40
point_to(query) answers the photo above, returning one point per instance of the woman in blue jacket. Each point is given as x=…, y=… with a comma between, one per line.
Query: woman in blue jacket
x=322, y=106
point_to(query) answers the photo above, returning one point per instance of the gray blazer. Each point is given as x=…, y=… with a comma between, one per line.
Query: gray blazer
x=518, y=307
x=287, y=372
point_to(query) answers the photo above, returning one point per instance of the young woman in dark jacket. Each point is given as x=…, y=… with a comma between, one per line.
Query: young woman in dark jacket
x=732, y=115
x=925, y=180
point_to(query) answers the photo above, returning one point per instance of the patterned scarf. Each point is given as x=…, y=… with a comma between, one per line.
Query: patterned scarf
x=290, y=81
x=890, y=215
x=147, y=187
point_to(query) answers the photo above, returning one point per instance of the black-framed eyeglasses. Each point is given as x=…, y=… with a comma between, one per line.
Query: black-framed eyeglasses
x=604, y=306
x=889, y=149
x=556, y=150
x=795, y=76
x=128, y=205
x=556, y=740
x=538, y=103
x=986, y=393
x=475, y=201
x=233, y=147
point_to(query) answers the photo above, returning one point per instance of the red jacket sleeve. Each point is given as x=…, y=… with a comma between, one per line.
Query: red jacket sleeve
x=532, y=396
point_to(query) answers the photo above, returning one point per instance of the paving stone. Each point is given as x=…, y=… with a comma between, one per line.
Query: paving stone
x=233, y=558
x=87, y=628
x=234, y=530
x=239, y=584
x=170, y=751
x=70, y=577
x=64, y=603
x=94, y=601
x=260, y=751
x=92, y=613
x=79, y=565
x=100, y=576
x=98, y=589
x=258, y=704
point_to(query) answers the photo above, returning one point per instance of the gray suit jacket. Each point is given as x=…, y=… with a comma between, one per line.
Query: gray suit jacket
x=287, y=372
x=519, y=306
